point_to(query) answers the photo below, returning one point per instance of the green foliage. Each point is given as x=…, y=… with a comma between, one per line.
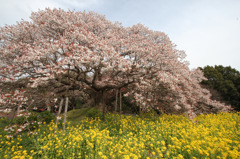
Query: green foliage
x=150, y=114
x=24, y=123
x=226, y=81
x=76, y=115
x=3, y=123
x=128, y=106
x=46, y=116
x=93, y=113
x=33, y=117
x=79, y=103
x=20, y=120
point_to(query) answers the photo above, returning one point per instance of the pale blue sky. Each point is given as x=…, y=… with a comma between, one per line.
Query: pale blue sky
x=208, y=30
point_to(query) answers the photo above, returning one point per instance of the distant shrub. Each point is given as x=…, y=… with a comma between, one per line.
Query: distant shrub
x=33, y=117
x=93, y=113
x=19, y=120
x=151, y=114
x=25, y=122
x=46, y=116
x=79, y=103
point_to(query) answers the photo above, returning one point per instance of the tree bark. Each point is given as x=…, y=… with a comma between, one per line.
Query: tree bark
x=18, y=110
x=120, y=104
x=14, y=112
x=116, y=104
x=103, y=106
x=97, y=98
x=65, y=114
x=59, y=112
x=140, y=112
x=48, y=105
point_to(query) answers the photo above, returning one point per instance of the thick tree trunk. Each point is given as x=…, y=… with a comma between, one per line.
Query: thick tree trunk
x=59, y=112
x=116, y=104
x=120, y=104
x=65, y=114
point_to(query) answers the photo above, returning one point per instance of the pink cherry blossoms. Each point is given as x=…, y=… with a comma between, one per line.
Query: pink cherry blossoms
x=85, y=51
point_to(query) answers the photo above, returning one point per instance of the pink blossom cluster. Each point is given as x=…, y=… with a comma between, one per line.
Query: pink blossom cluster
x=12, y=100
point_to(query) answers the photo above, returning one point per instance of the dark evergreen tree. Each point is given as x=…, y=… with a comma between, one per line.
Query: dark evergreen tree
x=226, y=81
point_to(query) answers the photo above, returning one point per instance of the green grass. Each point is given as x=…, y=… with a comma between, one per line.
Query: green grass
x=76, y=115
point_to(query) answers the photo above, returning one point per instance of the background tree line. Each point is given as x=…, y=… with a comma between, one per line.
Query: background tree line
x=223, y=83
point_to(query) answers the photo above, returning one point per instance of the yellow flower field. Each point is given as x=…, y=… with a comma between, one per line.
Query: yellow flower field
x=167, y=136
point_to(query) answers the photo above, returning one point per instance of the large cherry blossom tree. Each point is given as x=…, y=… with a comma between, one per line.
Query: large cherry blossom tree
x=80, y=50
